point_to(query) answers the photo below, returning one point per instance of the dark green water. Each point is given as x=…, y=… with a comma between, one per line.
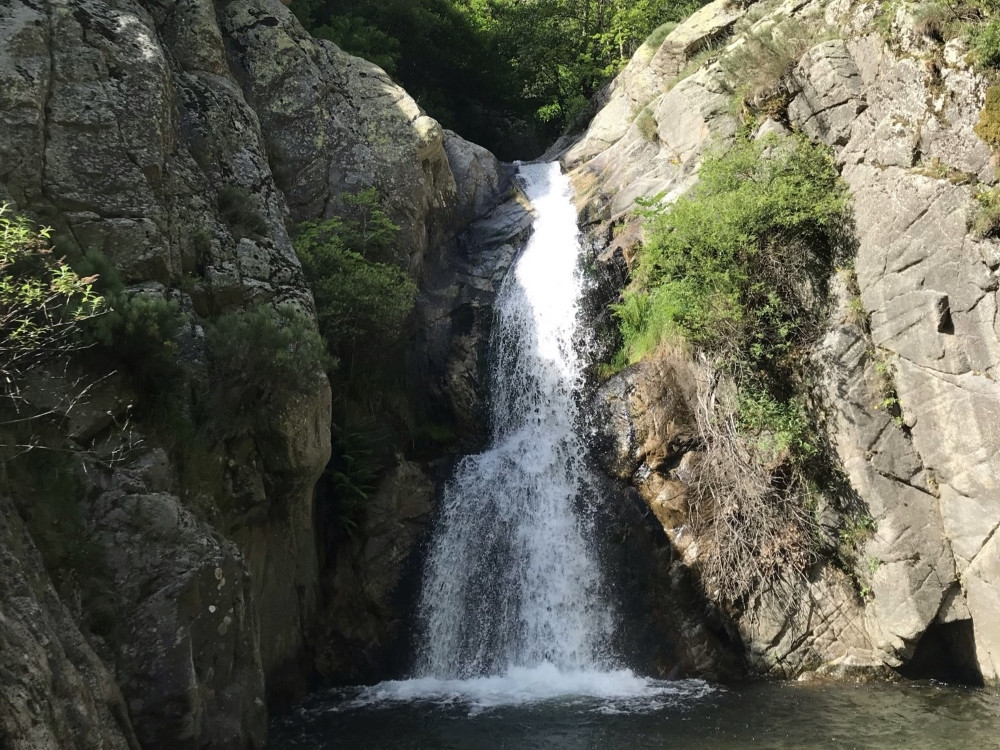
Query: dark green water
x=691, y=715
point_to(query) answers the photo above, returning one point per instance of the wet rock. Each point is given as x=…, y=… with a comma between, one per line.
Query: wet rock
x=363, y=636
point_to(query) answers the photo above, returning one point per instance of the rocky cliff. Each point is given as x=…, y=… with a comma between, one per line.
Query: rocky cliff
x=898, y=107
x=183, y=140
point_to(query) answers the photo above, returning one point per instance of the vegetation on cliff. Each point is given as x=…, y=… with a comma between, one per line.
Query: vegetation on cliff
x=737, y=269
x=506, y=74
x=363, y=299
x=43, y=301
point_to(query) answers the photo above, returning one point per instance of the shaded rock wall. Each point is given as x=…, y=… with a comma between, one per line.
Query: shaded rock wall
x=135, y=128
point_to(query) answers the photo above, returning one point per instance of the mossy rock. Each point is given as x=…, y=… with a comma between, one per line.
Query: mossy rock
x=988, y=127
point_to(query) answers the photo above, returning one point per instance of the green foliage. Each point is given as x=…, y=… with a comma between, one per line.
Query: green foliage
x=261, y=358
x=240, y=211
x=648, y=127
x=505, y=73
x=986, y=223
x=737, y=268
x=721, y=265
x=782, y=428
x=353, y=472
x=363, y=297
x=43, y=301
x=656, y=37
x=757, y=71
x=988, y=125
x=888, y=401
x=138, y=333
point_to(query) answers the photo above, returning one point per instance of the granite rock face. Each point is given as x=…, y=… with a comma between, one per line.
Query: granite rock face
x=929, y=286
x=182, y=138
x=899, y=117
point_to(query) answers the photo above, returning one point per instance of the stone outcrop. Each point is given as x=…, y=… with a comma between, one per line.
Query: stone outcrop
x=182, y=139
x=364, y=630
x=55, y=692
x=899, y=116
x=930, y=289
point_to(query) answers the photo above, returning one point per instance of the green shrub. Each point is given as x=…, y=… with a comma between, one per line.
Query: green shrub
x=260, y=359
x=655, y=39
x=781, y=427
x=648, y=127
x=719, y=266
x=363, y=297
x=933, y=21
x=240, y=212
x=986, y=45
x=757, y=71
x=138, y=334
x=988, y=125
x=987, y=220
x=353, y=473
x=736, y=268
x=43, y=302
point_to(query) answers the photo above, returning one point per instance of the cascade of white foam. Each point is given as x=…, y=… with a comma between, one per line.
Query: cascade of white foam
x=512, y=581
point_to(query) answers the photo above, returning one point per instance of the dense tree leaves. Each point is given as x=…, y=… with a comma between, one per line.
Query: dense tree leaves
x=509, y=74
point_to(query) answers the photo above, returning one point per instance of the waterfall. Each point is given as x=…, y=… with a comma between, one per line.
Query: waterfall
x=512, y=579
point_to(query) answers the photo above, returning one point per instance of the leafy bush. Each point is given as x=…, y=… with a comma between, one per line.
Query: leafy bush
x=988, y=125
x=138, y=333
x=757, y=71
x=239, y=210
x=987, y=220
x=735, y=268
x=363, y=296
x=260, y=358
x=721, y=266
x=43, y=301
x=656, y=37
x=648, y=127
x=932, y=21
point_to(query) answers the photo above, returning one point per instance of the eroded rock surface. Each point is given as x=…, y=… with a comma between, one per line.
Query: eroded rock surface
x=183, y=139
x=899, y=116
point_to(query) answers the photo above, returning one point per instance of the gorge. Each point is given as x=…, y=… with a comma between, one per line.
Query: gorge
x=500, y=519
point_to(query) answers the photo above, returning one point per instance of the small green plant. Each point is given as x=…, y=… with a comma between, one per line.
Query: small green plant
x=933, y=21
x=43, y=302
x=888, y=401
x=363, y=295
x=261, y=358
x=353, y=473
x=240, y=211
x=939, y=170
x=988, y=125
x=781, y=427
x=757, y=71
x=138, y=333
x=655, y=39
x=985, y=44
x=986, y=223
x=647, y=125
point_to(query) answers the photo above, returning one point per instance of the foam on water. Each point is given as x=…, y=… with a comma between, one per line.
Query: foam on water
x=606, y=692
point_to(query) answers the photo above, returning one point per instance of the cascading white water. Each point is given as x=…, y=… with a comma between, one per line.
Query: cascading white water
x=512, y=579
x=513, y=607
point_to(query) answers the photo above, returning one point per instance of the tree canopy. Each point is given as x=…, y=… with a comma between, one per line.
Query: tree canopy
x=508, y=74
